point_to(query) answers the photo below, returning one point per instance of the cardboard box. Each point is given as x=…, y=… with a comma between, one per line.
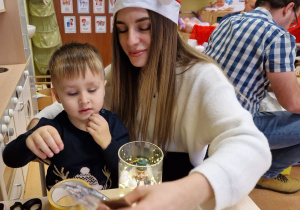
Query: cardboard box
x=45, y=98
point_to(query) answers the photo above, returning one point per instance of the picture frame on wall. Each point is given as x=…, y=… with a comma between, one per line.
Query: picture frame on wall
x=66, y=6
x=111, y=6
x=100, y=24
x=85, y=24
x=2, y=7
x=111, y=23
x=99, y=6
x=83, y=6
x=70, y=24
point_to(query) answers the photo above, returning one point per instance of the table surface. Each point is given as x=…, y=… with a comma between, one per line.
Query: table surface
x=8, y=83
x=244, y=204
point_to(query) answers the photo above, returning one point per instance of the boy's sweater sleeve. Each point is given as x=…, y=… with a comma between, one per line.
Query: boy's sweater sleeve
x=16, y=153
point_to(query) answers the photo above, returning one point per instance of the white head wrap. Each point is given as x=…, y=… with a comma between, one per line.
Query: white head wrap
x=167, y=8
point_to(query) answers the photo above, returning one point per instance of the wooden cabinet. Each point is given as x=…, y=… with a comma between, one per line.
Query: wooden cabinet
x=22, y=109
x=18, y=92
x=7, y=174
x=12, y=181
x=23, y=115
x=17, y=188
x=27, y=97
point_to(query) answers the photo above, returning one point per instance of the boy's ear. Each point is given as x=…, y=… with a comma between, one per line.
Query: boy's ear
x=105, y=81
x=56, y=95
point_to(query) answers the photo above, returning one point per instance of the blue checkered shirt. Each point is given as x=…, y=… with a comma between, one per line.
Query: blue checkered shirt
x=249, y=45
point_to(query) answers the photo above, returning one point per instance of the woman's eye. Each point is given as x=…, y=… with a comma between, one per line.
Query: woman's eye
x=122, y=30
x=145, y=28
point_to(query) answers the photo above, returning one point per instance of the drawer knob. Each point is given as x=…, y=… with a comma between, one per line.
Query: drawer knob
x=5, y=120
x=19, y=89
x=3, y=128
x=1, y=138
x=10, y=132
x=14, y=100
x=26, y=73
x=9, y=112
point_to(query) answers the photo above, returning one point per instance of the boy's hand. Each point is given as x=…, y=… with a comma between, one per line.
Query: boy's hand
x=99, y=129
x=44, y=141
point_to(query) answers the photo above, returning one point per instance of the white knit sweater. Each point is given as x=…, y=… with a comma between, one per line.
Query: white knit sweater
x=207, y=112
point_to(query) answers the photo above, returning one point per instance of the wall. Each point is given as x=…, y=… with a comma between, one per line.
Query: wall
x=195, y=5
x=102, y=41
x=11, y=39
x=238, y=5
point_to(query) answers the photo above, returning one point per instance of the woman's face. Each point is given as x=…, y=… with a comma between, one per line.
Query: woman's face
x=134, y=30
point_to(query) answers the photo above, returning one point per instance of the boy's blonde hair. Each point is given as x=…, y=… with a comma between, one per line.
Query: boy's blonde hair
x=71, y=61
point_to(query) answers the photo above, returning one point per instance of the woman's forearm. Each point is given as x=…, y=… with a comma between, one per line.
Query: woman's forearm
x=49, y=112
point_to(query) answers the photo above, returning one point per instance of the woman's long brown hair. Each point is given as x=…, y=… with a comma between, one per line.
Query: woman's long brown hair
x=133, y=88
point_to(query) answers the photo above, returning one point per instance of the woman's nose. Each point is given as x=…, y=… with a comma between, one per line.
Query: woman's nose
x=133, y=37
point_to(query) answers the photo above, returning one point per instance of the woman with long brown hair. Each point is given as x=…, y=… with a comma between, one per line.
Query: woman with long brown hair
x=169, y=94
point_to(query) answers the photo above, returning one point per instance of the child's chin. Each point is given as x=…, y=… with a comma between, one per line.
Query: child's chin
x=84, y=118
x=90, y=114
x=87, y=117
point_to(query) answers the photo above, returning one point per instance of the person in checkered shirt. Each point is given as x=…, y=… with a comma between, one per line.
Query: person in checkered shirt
x=257, y=53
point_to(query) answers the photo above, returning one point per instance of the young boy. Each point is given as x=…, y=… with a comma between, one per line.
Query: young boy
x=90, y=136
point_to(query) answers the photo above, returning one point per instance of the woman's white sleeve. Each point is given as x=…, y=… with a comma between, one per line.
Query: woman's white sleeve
x=239, y=153
x=50, y=112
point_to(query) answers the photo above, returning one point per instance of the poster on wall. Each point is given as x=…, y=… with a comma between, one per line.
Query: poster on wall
x=111, y=23
x=111, y=6
x=70, y=24
x=85, y=24
x=100, y=24
x=66, y=6
x=83, y=6
x=99, y=6
x=2, y=8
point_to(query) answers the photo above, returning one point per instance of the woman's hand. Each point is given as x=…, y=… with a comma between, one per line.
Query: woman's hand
x=99, y=129
x=166, y=196
x=185, y=193
x=44, y=141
